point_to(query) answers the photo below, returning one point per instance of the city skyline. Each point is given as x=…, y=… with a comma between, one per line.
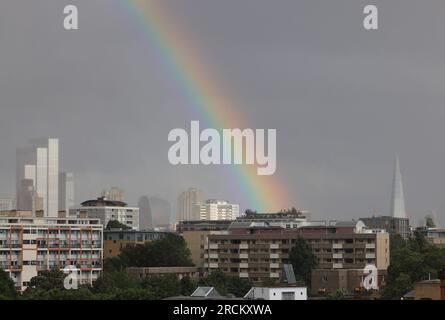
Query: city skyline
x=346, y=106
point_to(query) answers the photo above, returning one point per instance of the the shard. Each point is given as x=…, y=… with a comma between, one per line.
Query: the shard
x=397, y=199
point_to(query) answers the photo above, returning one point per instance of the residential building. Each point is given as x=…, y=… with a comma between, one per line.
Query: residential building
x=107, y=210
x=30, y=245
x=258, y=253
x=66, y=191
x=39, y=162
x=186, y=202
x=216, y=210
x=350, y=281
x=195, y=234
x=435, y=236
x=392, y=225
x=115, y=240
x=140, y=273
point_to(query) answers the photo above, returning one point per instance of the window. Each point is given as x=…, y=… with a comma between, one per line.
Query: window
x=287, y=296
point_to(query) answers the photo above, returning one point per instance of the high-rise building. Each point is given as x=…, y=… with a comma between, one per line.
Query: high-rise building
x=161, y=212
x=114, y=194
x=398, y=198
x=145, y=216
x=186, y=202
x=39, y=162
x=216, y=210
x=66, y=191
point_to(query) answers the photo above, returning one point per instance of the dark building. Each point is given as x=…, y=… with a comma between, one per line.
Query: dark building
x=392, y=225
x=145, y=216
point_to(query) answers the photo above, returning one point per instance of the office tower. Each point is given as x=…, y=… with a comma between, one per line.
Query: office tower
x=216, y=210
x=39, y=162
x=398, y=199
x=161, y=212
x=114, y=194
x=145, y=217
x=66, y=191
x=186, y=202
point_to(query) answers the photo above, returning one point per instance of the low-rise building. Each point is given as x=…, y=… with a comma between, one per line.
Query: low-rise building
x=140, y=273
x=277, y=293
x=435, y=236
x=29, y=245
x=350, y=281
x=115, y=240
x=107, y=210
x=392, y=225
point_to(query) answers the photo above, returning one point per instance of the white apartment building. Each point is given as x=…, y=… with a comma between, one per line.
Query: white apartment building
x=216, y=210
x=106, y=210
x=29, y=245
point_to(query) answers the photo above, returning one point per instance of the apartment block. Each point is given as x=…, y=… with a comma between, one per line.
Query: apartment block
x=29, y=245
x=195, y=234
x=259, y=253
x=216, y=210
x=107, y=210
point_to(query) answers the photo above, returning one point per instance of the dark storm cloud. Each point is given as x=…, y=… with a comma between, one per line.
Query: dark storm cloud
x=343, y=99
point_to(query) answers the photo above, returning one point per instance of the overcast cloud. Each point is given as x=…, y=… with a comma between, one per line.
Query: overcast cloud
x=344, y=100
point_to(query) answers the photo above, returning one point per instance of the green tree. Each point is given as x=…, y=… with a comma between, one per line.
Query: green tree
x=188, y=285
x=47, y=280
x=114, y=224
x=227, y=285
x=162, y=286
x=108, y=282
x=303, y=260
x=169, y=251
x=411, y=260
x=429, y=222
x=7, y=289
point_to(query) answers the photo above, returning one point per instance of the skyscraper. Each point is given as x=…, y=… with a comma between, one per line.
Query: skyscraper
x=398, y=199
x=161, y=212
x=39, y=162
x=186, y=202
x=66, y=191
x=145, y=216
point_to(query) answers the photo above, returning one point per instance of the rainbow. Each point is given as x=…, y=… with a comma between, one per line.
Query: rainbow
x=206, y=98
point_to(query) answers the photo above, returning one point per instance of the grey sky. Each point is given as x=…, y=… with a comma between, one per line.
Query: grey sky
x=343, y=99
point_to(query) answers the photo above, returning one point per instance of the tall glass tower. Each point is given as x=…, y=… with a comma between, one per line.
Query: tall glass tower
x=39, y=162
x=398, y=198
